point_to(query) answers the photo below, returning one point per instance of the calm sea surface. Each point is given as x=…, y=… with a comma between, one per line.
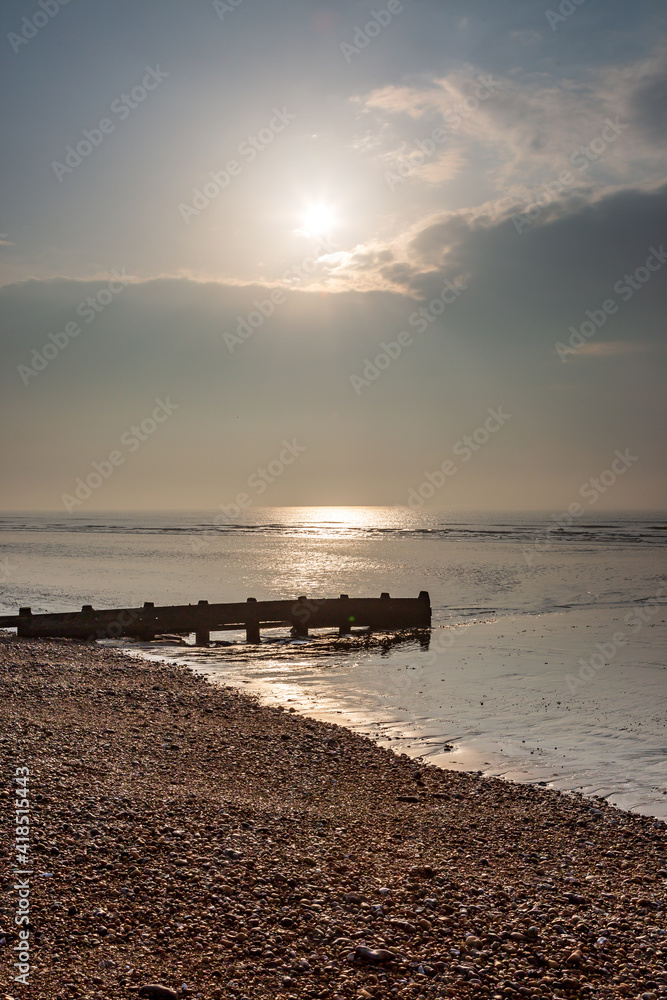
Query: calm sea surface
x=547, y=660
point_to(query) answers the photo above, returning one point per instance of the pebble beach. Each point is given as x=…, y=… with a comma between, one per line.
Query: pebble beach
x=185, y=837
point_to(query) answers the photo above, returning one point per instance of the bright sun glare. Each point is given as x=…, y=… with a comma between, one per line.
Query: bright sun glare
x=318, y=219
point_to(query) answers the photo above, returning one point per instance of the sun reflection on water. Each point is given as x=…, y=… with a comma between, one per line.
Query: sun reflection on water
x=332, y=521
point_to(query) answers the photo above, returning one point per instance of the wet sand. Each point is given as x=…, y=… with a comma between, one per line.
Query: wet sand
x=507, y=696
x=183, y=834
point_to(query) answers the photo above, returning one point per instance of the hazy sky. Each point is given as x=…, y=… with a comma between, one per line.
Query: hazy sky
x=350, y=244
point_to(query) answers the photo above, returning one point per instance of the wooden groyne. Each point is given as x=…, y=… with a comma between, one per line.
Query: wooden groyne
x=301, y=615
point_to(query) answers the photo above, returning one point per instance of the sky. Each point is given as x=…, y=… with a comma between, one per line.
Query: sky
x=406, y=252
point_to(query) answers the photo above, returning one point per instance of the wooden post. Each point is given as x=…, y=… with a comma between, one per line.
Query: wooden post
x=146, y=633
x=384, y=596
x=299, y=626
x=202, y=634
x=425, y=597
x=23, y=627
x=345, y=624
x=252, y=622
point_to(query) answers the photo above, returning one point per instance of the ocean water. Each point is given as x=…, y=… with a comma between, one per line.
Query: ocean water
x=546, y=662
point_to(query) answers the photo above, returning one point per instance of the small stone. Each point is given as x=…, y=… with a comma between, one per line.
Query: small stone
x=153, y=992
x=403, y=925
x=374, y=955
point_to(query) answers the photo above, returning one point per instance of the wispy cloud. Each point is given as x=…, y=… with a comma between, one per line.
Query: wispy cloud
x=534, y=127
x=610, y=348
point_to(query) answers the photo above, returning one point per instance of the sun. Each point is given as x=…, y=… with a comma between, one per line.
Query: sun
x=318, y=220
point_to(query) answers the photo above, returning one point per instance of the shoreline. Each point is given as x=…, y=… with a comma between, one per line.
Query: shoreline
x=498, y=699
x=190, y=835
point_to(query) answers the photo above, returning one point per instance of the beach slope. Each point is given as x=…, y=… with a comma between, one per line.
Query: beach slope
x=182, y=834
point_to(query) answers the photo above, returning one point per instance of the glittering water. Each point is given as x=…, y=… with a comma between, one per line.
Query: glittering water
x=546, y=661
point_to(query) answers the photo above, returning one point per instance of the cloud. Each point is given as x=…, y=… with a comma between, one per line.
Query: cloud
x=648, y=100
x=609, y=348
x=536, y=284
x=607, y=123
x=291, y=375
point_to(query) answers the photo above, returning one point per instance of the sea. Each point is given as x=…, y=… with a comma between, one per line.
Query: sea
x=546, y=662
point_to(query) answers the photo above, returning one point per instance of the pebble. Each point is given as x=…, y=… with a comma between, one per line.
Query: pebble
x=153, y=992
x=374, y=954
x=251, y=867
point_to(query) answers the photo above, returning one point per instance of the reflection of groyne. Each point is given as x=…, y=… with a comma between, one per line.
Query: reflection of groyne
x=343, y=613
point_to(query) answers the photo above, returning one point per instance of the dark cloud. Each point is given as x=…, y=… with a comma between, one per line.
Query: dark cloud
x=542, y=278
x=649, y=107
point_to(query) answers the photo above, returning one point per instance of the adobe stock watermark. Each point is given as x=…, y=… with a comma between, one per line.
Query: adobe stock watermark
x=580, y=159
x=486, y=88
x=114, y=629
x=249, y=149
x=257, y=483
x=23, y=868
x=265, y=308
x=130, y=441
x=625, y=287
x=566, y=9
x=222, y=7
x=591, y=491
x=31, y=26
x=605, y=652
x=420, y=320
x=464, y=449
x=379, y=20
x=7, y=569
x=123, y=107
x=88, y=310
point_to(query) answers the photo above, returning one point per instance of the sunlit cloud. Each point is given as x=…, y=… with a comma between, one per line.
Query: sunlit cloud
x=607, y=127
x=610, y=348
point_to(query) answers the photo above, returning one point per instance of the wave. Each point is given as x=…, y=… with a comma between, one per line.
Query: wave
x=538, y=531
